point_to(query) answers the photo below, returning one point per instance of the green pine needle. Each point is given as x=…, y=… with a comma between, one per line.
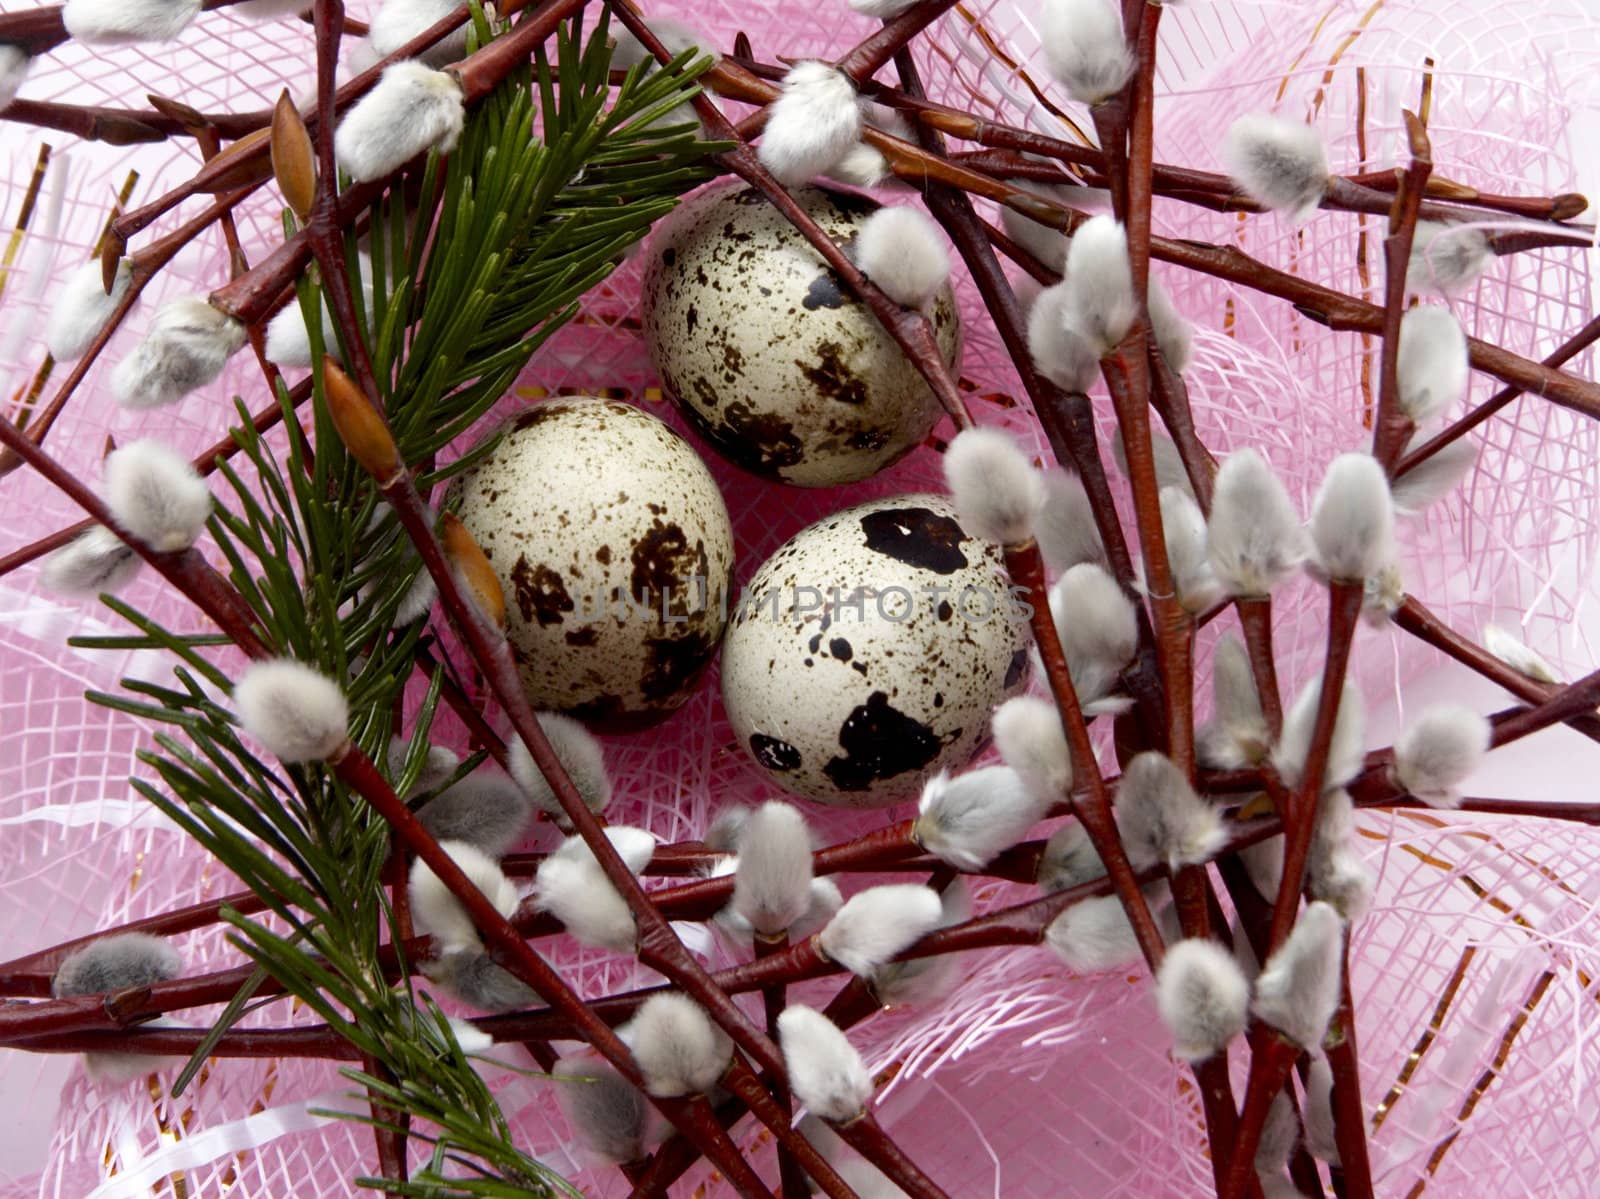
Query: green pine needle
x=472, y=268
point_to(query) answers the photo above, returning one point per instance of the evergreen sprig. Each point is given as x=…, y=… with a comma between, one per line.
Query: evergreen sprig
x=475, y=263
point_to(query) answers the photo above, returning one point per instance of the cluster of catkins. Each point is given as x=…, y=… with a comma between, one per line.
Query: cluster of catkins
x=1252, y=541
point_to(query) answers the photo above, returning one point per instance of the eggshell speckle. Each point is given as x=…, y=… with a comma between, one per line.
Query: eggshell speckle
x=768, y=354
x=868, y=652
x=615, y=550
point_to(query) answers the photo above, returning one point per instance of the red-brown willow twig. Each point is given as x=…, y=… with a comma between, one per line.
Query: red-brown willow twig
x=196, y=579
x=1569, y=349
x=144, y=267
x=1414, y=617
x=1092, y=802
x=361, y=427
x=1392, y=426
x=205, y=463
x=1567, y=700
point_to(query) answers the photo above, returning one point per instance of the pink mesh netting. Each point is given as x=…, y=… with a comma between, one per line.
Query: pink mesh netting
x=1474, y=973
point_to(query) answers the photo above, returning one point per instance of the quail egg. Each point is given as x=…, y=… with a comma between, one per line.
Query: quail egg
x=615, y=550
x=868, y=652
x=765, y=350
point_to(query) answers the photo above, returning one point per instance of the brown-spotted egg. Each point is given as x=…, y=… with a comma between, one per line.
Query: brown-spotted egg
x=615, y=550
x=768, y=354
x=868, y=652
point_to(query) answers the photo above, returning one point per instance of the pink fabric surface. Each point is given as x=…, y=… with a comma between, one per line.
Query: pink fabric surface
x=1027, y=1081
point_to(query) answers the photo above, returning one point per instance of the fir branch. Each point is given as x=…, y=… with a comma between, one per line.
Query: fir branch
x=467, y=282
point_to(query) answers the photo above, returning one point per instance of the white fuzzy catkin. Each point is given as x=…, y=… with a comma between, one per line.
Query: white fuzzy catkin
x=722, y=834
x=581, y=756
x=676, y=36
x=1382, y=594
x=1299, y=986
x=1203, y=998
x=411, y=109
x=486, y=810
x=678, y=1049
x=1447, y=258
x=1320, y=1139
x=825, y=1072
x=296, y=711
x=1278, y=1186
x=1084, y=47
x=1069, y=859
x=878, y=923
x=82, y=307
x=1435, y=477
x=901, y=250
x=1518, y=655
x=926, y=980
x=1044, y=242
x=965, y=821
x=1031, y=741
x=1098, y=627
x=571, y=887
x=882, y=9
x=1279, y=164
x=1099, y=282
x=1237, y=733
x=1161, y=818
x=271, y=10
x=635, y=846
x=1094, y=936
x=1279, y=1133
x=110, y=964
x=396, y=22
x=823, y=902
x=1065, y=527
x=1060, y=351
x=1352, y=519
x=476, y=979
x=862, y=166
x=187, y=345
x=156, y=495
x=1188, y=555
x=95, y=561
x=14, y=64
x=288, y=338
x=864, y=1179
x=997, y=492
x=823, y=906
x=811, y=125
x=439, y=914
x=418, y=600
x=772, y=883
x=114, y=962
x=1263, y=861
x=469, y=1038
x=1345, y=753
x=117, y=22
x=1170, y=471
x=1174, y=335
x=1436, y=752
x=1431, y=366
x=1254, y=534
x=1336, y=823
x=609, y=1116
x=1340, y=878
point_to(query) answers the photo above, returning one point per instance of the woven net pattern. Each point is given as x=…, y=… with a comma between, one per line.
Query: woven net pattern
x=1474, y=973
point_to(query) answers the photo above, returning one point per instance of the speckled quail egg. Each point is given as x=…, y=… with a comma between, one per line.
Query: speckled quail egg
x=615, y=550
x=768, y=354
x=867, y=653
